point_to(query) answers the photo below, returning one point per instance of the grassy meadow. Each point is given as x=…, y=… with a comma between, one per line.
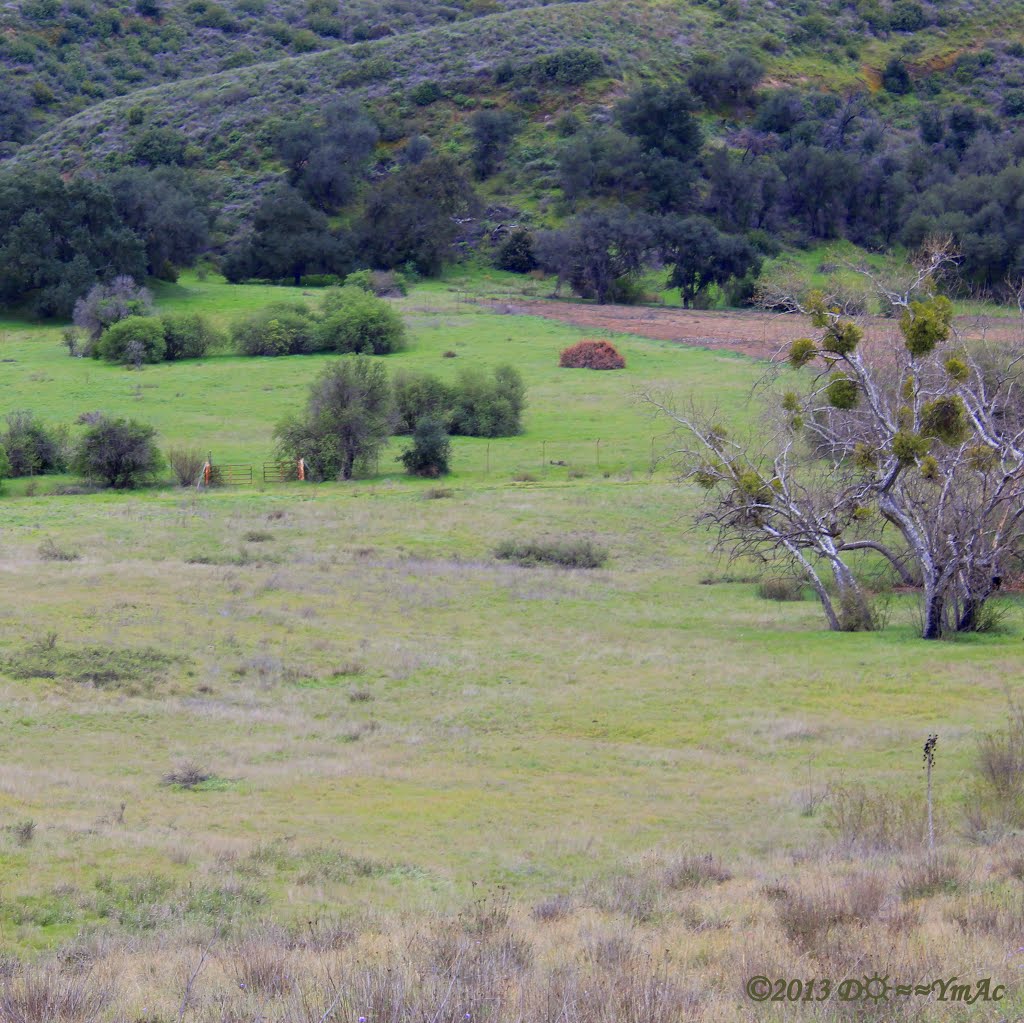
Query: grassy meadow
x=430, y=784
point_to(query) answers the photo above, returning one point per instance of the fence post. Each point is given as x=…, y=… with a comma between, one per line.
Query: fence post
x=543, y=455
x=487, y=470
x=597, y=448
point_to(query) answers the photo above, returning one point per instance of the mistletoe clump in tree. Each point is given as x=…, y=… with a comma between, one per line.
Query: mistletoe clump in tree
x=910, y=445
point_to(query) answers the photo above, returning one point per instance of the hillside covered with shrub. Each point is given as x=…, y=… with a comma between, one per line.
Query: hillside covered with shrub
x=590, y=139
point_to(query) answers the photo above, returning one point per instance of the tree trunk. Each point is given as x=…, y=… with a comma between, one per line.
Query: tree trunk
x=934, y=605
x=969, y=618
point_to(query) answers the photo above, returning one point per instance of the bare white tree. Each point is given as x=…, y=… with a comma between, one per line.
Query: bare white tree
x=907, y=442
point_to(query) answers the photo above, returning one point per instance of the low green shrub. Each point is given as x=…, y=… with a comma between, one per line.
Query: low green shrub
x=282, y=328
x=356, y=321
x=488, y=407
x=31, y=447
x=188, y=336
x=418, y=395
x=431, y=449
x=132, y=341
x=569, y=552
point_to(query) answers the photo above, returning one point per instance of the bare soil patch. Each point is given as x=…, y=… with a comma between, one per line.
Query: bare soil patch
x=759, y=334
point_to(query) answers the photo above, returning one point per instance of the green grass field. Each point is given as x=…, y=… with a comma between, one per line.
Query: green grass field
x=393, y=719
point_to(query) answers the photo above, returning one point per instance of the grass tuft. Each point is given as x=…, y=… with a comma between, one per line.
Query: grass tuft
x=567, y=552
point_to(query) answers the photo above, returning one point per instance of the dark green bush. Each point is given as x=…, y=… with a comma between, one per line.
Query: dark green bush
x=488, y=407
x=134, y=340
x=357, y=322
x=188, y=336
x=516, y=253
x=280, y=329
x=5, y=466
x=569, y=552
x=31, y=448
x=118, y=453
x=425, y=93
x=419, y=395
x=431, y=449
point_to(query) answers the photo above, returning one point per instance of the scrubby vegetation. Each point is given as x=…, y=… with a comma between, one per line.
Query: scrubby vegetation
x=118, y=453
x=591, y=355
x=728, y=159
x=568, y=552
x=536, y=789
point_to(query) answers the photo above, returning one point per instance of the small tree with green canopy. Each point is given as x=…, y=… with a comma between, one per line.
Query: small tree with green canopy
x=347, y=420
x=120, y=453
x=909, y=445
x=431, y=449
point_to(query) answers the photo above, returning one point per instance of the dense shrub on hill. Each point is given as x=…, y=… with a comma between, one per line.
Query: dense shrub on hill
x=282, y=328
x=188, y=336
x=289, y=239
x=488, y=407
x=5, y=466
x=118, y=453
x=419, y=396
x=516, y=252
x=591, y=355
x=350, y=320
x=356, y=321
x=31, y=448
x=132, y=341
x=413, y=215
x=325, y=160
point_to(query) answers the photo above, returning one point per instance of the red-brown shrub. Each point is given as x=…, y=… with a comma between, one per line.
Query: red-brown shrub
x=592, y=355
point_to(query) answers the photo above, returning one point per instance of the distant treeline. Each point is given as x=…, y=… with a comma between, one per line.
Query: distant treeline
x=645, y=185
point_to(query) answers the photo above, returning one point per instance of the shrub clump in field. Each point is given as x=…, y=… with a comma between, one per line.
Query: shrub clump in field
x=488, y=407
x=107, y=304
x=781, y=588
x=119, y=453
x=187, y=775
x=383, y=283
x=283, y=328
x=592, y=355
x=186, y=464
x=354, y=320
x=133, y=341
x=50, y=550
x=431, y=449
x=350, y=320
x=568, y=552
x=98, y=666
x=32, y=448
x=188, y=336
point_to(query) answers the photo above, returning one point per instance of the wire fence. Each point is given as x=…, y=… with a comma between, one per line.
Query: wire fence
x=501, y=458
